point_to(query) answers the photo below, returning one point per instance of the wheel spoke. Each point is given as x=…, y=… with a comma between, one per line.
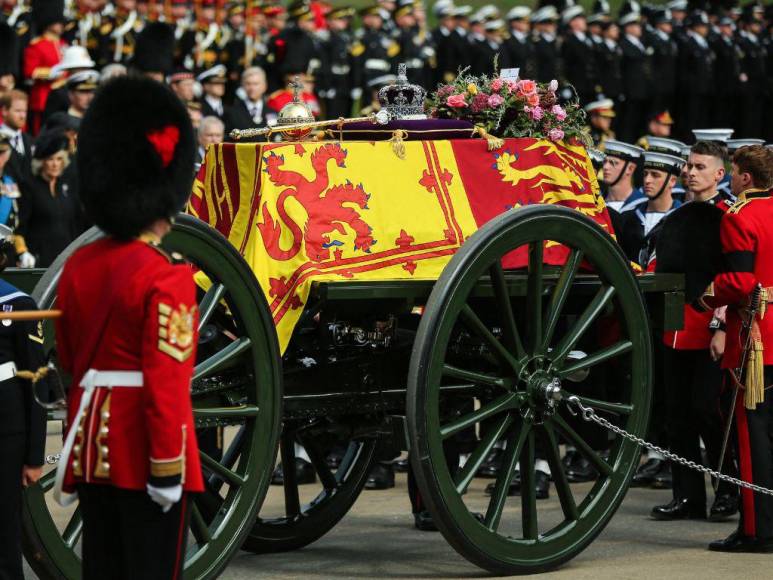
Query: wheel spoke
x=510, y=329
x=534, y=294
x=199, y=527
x=476, y=459
x=221, y=358
x=560, y=294
x=510, y=459
x=616, y=408
x=529, y=490
x=227, y=412
x=599, y=357
x=72, y=532
x=473, y=377
x=319, y=462
x=499, y=404
x=594, y=309
x=290, y=479
x=209, y=303
x=475, y=324
x=215, y=466
x=584, y=448
x=565, y=496
x=229, y=458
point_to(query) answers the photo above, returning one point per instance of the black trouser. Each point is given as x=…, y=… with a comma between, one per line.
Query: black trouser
x=693, y=384
x=451, y=453
x=754, y=431
x=127, y=536
x=11, y=464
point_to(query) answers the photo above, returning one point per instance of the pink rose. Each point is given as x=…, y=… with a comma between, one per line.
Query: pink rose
x=512, y=86
x=495, y=101
x=527, y=87
x=553, y=86
x=555, y=134
x=558, y=112
x=533, y=99
x=537, y=113
x=456, y=101
x=497, y=84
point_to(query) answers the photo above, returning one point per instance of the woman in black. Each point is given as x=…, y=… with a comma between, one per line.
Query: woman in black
x=49, y=212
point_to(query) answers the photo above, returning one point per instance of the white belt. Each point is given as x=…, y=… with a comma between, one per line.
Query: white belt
x=7, y=371
x=92, y=380
x=340, y=69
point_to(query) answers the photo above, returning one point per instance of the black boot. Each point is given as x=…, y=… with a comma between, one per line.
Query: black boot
x=679, y=509
x=581, y=471
x=424, y=522
x=664, y=479
x=646, y=473
x=737, y=542
x=513, y=489
x=401, y=465
x=381, y=476
x=304, y=473
x=492, y=463
x=725, y=506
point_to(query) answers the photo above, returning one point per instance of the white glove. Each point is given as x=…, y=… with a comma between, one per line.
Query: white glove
x=166, y=497
x=356, y=93
x=26, y=260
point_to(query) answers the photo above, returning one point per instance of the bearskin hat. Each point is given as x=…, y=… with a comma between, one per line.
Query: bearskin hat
x=154, y=51
x=9, y=51
x=47, y=12
x=135, y=156
x=689, y=244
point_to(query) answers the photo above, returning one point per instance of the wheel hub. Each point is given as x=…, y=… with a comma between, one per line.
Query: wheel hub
x=542, y=390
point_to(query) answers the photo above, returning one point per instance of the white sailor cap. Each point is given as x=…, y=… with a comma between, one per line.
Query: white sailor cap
x=597, y=157
x=679, y=5
x=216, y=73
x=489, y=12
x=86, y=80
x=663, y=145
x=461, y=11
x=663, y=161
x=685, y=152
x=614, y=148
x=735, y=144
x=571, y=13
x=495, y=25
x=545, y=14
x=629, y=18
x=518, y=13
x=712, y=134
x=443, y=8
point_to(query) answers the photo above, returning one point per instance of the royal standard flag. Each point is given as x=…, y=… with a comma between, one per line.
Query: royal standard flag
x=301, y=213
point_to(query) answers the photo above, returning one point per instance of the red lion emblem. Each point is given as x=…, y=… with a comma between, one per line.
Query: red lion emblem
x=324, y=206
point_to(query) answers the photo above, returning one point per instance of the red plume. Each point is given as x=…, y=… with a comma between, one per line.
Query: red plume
x=164, y=141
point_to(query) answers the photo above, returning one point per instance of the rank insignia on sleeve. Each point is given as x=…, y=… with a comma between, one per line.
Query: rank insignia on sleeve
x=175, y=330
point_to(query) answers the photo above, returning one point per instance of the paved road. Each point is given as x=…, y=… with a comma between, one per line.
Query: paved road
x=377, y=540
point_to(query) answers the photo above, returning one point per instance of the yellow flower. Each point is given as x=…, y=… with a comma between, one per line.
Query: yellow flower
x=472, y=89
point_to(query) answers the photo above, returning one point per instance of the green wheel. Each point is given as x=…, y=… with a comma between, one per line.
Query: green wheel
x=308, y=512
x=236, y=391
x=514, y=386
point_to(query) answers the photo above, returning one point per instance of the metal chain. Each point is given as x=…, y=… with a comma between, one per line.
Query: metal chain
x=589, y=414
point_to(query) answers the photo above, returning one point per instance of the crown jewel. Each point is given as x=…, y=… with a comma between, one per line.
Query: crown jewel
x=402, y=100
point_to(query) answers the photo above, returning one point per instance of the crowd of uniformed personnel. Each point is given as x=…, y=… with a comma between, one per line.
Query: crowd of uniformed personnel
x=704, y=63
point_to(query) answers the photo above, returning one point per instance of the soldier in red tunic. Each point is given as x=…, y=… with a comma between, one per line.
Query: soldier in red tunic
x=42, y=54
x=128, y=338
x=747, y=244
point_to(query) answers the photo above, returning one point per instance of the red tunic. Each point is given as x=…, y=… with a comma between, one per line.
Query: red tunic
x=746, y=233
x=40, y=56
x=130, y=436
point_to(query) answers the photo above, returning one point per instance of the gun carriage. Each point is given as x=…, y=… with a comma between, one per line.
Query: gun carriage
x=485, y=347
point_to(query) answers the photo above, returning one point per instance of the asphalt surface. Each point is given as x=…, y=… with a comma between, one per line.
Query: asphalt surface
x=377, y=540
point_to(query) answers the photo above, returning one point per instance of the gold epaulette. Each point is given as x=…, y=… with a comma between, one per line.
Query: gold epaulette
x=152, y=242
x=740, y=204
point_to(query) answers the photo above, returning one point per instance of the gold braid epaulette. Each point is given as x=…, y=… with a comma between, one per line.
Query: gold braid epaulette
x=33, y=376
